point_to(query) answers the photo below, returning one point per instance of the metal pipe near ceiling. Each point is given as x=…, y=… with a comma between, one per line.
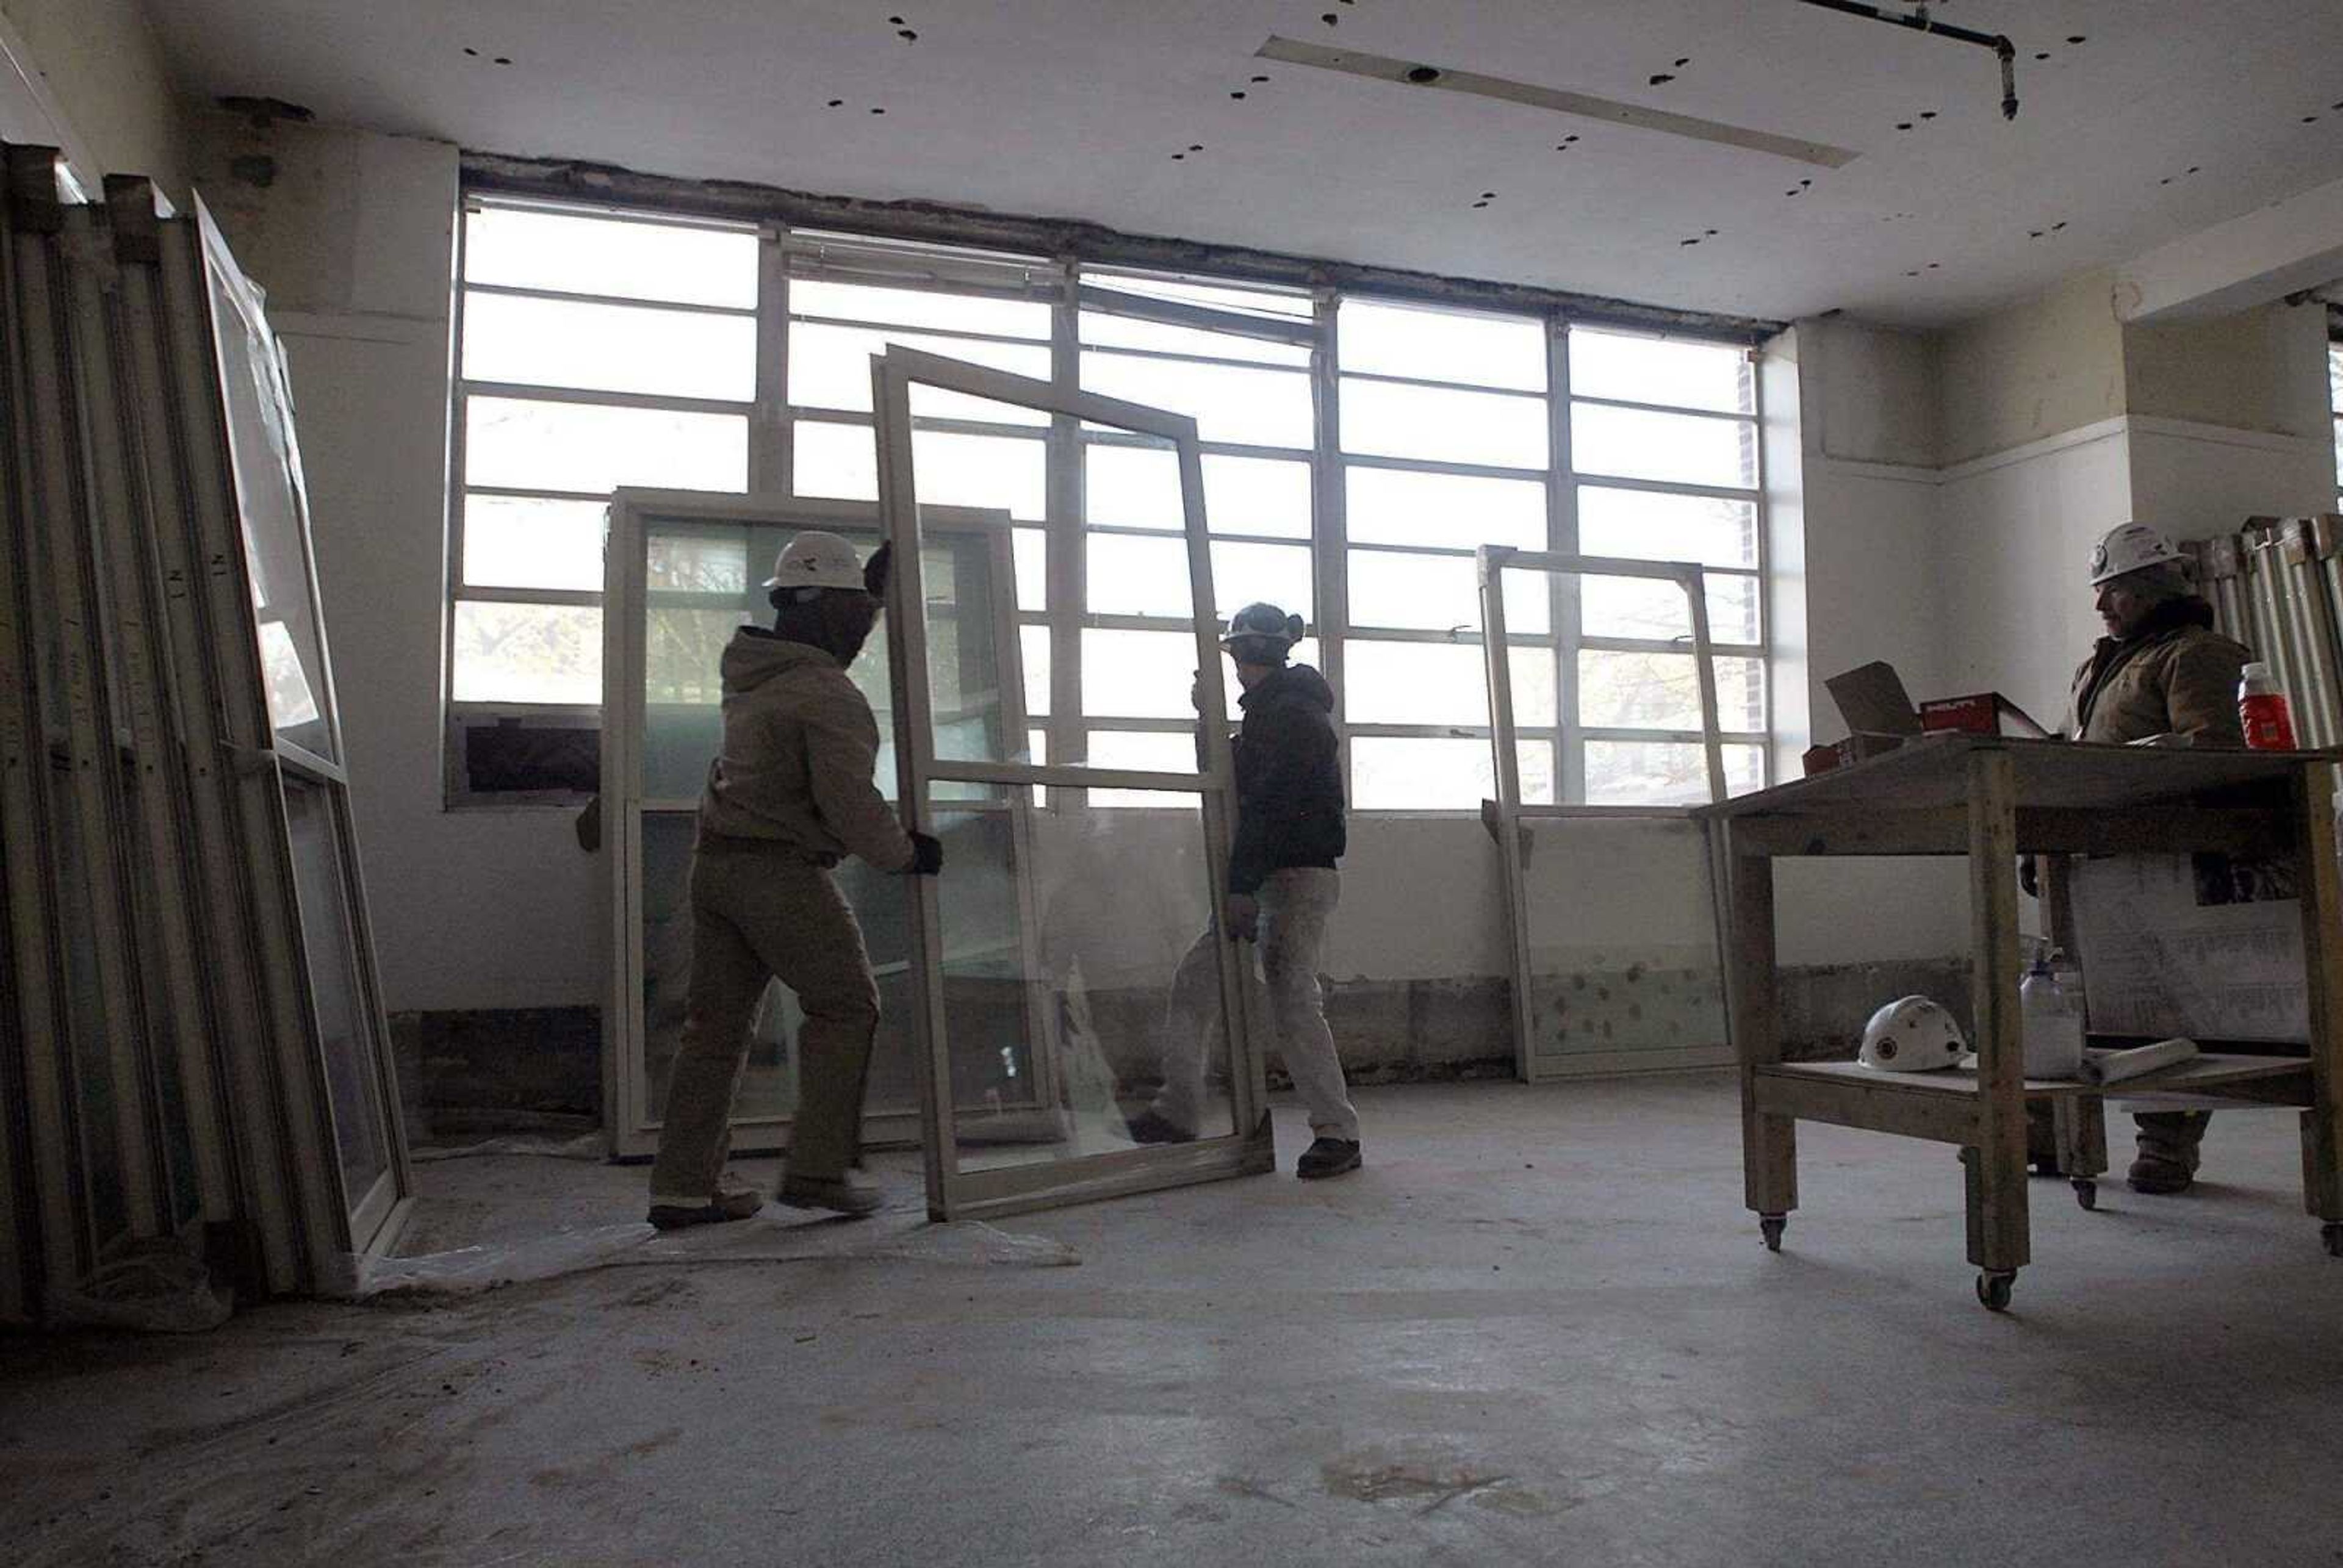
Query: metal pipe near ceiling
x=1919, y=21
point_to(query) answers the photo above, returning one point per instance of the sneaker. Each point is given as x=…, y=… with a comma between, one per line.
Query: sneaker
x=1147, y=1127
x=1327, y=1157
x=838, y=1194
x=730, y=1203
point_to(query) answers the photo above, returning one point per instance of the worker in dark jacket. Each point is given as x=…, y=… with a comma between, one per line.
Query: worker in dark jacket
x=2160, y=671
x=1282, y=889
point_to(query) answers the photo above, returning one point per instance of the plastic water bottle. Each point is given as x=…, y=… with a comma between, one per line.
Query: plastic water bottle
x=2262, y=711
x=2051, y=1025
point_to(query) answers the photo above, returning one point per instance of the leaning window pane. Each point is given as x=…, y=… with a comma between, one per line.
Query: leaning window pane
x=608, y=348
x=1239, y=404
x=1635, y=370
x=1139, y=487
x=1643, y=524
x=572, y=254
x=527, y=653
x=532, y=446
x=527, y=542
x=1495, y=429
x=1673, y=448
x=1389, y=338
x=1413, y=592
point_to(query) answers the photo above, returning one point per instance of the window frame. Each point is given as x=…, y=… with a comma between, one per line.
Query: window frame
x=1070, y=287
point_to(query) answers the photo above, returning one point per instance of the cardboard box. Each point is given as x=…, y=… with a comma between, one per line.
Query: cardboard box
x=1979, y=713
x=1853, y=748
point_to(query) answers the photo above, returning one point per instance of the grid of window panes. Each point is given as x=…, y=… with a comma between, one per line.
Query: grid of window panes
x=1250, y=394
x=601, y=349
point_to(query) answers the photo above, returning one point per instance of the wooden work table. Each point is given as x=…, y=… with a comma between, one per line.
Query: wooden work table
x=1992, y=798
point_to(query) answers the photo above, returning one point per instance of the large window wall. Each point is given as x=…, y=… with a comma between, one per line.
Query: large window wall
x=1357, y=450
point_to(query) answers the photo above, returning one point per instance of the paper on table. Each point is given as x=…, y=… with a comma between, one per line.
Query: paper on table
x=2104, y=1067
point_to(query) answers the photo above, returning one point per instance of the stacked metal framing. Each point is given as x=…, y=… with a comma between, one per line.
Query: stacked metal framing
x=194, y=1057
x=2277, y=587
x=1509, y=817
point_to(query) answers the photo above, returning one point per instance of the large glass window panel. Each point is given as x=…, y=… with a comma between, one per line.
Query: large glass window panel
x=1620, y=690
x=1102, y=330
x=1440, y=773
x=1239, y=404
x=1413, y=683
x=1139, y=487
x=936, y=311
x=1461, y=511
x=1389, y=338
x=1634, y=607
x=345, y=1030
x=1435, y=424
x=1074, y=982
x=830, y=367
x=1003, y=473
x=1144, y=752
x=528, y=653
x=1664, y=772
x=1645, y=525
x=1034, y=643
x=1137, y=674
x=1031, y=548
x=1672, y=449
x=608, y=348
x=578, y=254
x=1245, y=574
x=531, y=542
x=1734, y=609
x=1131, y=575
x=1634, y=369
x=519, y=444
x=1389, y=589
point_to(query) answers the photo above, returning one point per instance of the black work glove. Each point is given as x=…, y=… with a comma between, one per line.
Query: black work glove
x=874, y=570
x=927, y=855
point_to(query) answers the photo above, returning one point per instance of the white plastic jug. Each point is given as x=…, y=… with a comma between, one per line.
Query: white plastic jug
x=2051, y=1021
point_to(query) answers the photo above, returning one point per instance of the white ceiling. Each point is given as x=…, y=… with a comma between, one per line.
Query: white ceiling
x=1072, y=108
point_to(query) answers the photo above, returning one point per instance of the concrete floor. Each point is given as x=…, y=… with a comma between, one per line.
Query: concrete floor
x=1537, y=1328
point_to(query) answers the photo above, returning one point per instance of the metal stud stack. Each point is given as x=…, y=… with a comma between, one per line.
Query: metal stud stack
x=2277, y=587
x=195, y=1090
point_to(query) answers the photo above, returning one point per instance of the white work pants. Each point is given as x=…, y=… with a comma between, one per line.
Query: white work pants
x=1296, y=904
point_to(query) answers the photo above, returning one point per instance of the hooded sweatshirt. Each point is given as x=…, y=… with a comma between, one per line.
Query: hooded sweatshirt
x=800, y=743
x=1289, y=783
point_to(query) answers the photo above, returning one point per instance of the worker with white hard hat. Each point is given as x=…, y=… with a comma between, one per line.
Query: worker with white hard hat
x=790, y=796
x=2161, y=670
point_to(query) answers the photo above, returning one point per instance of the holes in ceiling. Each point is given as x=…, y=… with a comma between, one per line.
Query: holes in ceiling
x=499, y=60
x=1486, y=198
x=2184, y=174
x=1662, y=78
x=1192, y=147
x=1695, y=239
x=902, y=30
x=1566, y=143
x=1801, y=188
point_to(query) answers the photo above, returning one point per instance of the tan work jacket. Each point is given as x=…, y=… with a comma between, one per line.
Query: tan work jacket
x=800, y=744
x=2179, y=677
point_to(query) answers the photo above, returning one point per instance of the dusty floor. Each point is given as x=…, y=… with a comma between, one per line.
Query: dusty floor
x=1538, y=1328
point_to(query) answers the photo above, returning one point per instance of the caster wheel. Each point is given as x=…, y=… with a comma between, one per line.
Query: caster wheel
x=2332, y=1233
x=2087, y=1192
x=1993, y=1290
x=1770, y=1227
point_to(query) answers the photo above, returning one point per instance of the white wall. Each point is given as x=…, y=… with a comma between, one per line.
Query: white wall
x=98, y=64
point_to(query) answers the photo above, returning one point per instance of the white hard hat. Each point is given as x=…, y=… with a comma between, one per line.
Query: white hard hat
x=1911, y=1034
x=2128, y=548
x=816, y=559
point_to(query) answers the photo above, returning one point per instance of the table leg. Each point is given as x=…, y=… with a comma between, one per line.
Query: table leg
x=1996, y=1166
x=1769, y=1144
x=2080, y=1122
x=2322, y=960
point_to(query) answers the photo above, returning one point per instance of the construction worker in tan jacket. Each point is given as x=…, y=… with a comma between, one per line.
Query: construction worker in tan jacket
x=2161, y=670
x=788, y=797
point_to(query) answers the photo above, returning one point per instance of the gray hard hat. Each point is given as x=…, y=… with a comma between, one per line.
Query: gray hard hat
x=1262, y=628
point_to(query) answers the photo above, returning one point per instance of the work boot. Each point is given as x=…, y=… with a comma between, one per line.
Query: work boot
x=838, y=1194
x=732, y=1201
x=1148, y=1127
x=1327, y=1157
x=2171, y=1142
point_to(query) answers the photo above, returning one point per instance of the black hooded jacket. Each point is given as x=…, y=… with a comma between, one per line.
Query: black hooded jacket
x=1289, y=779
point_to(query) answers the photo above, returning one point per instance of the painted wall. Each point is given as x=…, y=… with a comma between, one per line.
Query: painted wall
x=2051, y=363
x=100, y=61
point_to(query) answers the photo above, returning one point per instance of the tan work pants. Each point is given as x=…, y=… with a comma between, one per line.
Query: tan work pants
x=756, y=915
x=1296, y=904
